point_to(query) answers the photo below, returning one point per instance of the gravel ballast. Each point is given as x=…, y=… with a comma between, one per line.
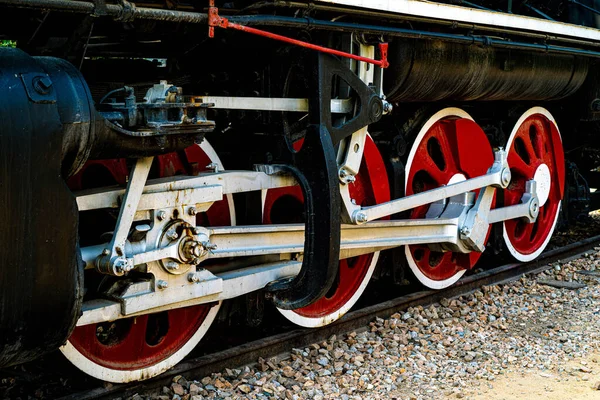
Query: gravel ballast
x=457, y=348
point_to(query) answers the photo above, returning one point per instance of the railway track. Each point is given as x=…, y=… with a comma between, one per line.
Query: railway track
x=271, y=346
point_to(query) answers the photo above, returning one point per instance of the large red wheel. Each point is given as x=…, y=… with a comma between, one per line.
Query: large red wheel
x=534, y=152
x=285, y=205
x=450, y=148
x=141, y=347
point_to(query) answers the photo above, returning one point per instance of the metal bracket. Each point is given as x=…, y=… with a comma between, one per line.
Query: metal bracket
x=316, y=173
x=474, y=230
x=318, y=176
x=370, y=107
x=113, y=260
x=39, y=88
x=529, y=208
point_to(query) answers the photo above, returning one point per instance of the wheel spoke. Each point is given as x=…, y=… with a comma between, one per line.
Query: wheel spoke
x=518, y=165
x=448, y=149
x=532, y=145
x=135, y=341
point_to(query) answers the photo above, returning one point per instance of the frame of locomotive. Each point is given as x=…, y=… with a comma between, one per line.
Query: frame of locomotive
x=173, y=246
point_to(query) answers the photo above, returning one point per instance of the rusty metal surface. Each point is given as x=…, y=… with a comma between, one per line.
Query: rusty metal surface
x=127, y=11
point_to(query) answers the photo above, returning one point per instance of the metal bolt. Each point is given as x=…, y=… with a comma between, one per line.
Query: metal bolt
x=361, y=217
x=534, y=208
x=105, y=252
x=193, y=278
x=172, y=266
x=121, y=266
x=193, y=250
x=505, y=177
x=42, y=84
x=465, y=231
x=162, y=284
x=161, y=215
x=172, y=235
x=197, y=250
x=209, y=246
x=346, y=177
x=192, y=211
x=387, y=107
x=213, y=166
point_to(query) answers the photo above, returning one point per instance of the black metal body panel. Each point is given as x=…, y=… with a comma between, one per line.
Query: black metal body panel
x=40, y=271
x=422, y=70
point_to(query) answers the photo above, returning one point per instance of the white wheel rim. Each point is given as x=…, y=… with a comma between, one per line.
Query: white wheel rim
x=513, y=251
x=309, y=322
x=120, y=376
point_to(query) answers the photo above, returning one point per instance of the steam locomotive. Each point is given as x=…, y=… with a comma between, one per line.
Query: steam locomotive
x=160, y=158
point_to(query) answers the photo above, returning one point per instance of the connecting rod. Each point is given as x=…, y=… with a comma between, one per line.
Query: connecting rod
x=497, y=176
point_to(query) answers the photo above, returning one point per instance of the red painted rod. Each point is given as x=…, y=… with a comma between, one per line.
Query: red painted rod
x=383, y=46
x=215, y=20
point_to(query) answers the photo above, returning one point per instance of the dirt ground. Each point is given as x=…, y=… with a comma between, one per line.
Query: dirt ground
x=578, y=381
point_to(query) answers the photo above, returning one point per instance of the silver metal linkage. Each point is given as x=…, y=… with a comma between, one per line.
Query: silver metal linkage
x=497, y=176
x=113, y=260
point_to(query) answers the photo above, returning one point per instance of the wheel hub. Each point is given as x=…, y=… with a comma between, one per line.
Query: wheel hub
x=543, y=180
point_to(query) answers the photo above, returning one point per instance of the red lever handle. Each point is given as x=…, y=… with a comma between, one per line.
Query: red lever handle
x=215, y=20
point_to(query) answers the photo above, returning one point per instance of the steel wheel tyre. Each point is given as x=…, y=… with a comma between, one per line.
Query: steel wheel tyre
x=371, y=187
x=141, y=347
x=449, y=148
x=535, y=151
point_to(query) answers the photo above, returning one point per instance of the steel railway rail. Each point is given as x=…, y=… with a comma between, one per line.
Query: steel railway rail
x=248, y=353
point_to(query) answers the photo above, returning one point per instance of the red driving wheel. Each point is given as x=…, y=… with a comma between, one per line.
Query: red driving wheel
x=535, y=151
x=141, y=347
x=450, y=148
x=285, y=205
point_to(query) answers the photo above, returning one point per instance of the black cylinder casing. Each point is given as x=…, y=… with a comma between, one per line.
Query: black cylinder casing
x=41, y=274
x=49, y=129
x=433, y=70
